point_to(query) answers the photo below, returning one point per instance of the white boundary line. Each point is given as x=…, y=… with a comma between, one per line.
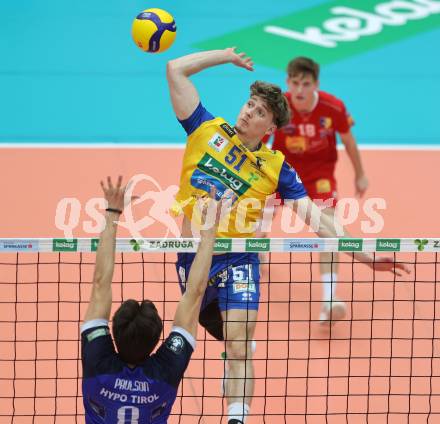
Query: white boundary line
x=424, y=147
x=139, y=145
x=166, y=145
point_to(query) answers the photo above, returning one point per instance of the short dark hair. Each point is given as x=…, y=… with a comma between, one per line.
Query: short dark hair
x=303, y=66
x=136, y=329
x=275, y=100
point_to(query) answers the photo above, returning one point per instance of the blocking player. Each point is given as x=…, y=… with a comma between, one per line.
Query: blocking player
x=308, y=142
x=133, y=385
x=234, y=158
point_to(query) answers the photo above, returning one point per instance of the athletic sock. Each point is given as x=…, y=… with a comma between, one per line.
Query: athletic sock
x=329, y=281
x=237, y=411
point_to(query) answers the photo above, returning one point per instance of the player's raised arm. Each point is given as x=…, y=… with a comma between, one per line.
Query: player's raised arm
x=189, y=306
x=325, y=227
x=101, y=297
x=184, y=95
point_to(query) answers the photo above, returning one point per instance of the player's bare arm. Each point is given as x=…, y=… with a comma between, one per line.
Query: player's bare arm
x=184, y=95
x=101, y=297
x=189, y=306
x=310, y=213
x=361, y=181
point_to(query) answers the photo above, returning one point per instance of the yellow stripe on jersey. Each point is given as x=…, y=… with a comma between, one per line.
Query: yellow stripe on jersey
x=214, y=155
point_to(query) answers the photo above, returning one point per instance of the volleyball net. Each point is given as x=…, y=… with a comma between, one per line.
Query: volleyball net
x=381, y=363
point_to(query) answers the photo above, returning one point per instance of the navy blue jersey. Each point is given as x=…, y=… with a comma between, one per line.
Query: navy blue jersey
x=116, y=393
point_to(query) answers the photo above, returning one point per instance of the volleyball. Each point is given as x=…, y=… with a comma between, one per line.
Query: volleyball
x=154, y=30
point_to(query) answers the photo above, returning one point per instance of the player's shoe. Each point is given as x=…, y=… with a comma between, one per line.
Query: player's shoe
x=225, y=368
x=332, y=312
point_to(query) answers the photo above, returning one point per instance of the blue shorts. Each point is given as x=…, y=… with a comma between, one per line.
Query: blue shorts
x=234, y=279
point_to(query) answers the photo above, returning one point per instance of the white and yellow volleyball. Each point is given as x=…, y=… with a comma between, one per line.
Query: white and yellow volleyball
x=154, y=30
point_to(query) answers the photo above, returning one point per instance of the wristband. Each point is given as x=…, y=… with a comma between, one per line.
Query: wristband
x=118, y=211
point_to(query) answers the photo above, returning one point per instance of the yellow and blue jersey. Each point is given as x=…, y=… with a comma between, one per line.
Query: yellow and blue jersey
x=215, y=156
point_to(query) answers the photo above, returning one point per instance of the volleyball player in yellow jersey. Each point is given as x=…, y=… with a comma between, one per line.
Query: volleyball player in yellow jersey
x=233, y=157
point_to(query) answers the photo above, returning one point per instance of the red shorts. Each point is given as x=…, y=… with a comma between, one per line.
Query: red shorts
x=323, y=191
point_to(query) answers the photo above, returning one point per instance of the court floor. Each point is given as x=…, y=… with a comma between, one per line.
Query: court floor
x=378, y=366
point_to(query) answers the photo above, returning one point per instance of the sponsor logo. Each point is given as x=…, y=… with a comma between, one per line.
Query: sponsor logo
x=388, y=245
x=19, y=245
x=170, y=244
x=214, y=168
x=260, y=162
x=220, y=279
x=136, y=245
x=99, y=332
x=223, y=276
x=257, y=245
x=223, y=245
x=182, y=274
x=332, y=31
x=421, y=243
x=204, y=182
x=217, y=142
x=323, y=186
x=228, y=129
x=253, y=177
x=94, y=244
x=289, y=129
x=242, y=148
x=244, y=286
x=350, y=245
x=296, y=144
x=436, y=244
x=247, y=297
x=325, y=122
x=64, y=245
x=175, y=344
x=311, y=245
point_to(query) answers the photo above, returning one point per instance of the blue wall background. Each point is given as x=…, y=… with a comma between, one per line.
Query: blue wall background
x=69, y=72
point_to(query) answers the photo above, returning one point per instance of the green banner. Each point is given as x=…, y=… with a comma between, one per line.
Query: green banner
x=213, y=167
x=223, y=245
x=420, y=243
x=257, y=245
x=332, y=31
x=350, y=245
x=388, y=245
x=94, y=244
x=64, y=245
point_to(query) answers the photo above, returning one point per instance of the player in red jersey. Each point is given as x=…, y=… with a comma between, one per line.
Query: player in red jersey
x=309, y=144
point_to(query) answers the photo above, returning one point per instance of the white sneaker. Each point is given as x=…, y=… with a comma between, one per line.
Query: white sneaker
x=332, y=311
x=224, y=380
